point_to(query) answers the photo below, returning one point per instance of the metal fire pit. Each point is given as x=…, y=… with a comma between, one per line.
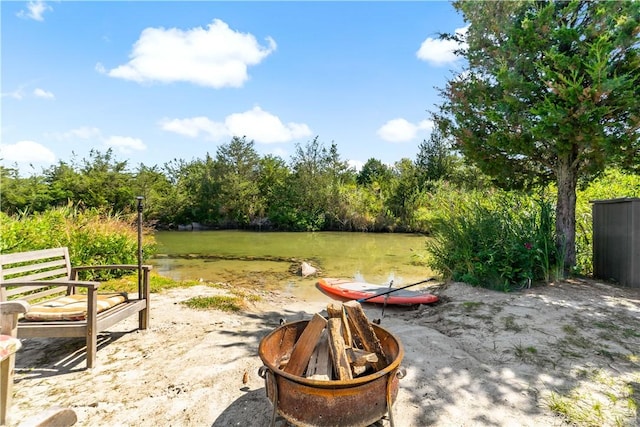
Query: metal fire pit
x=314, y=403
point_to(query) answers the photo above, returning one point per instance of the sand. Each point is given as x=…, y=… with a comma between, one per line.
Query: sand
x=478, y=358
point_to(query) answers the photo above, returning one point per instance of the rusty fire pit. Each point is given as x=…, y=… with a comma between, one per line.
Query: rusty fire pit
x=316, y=403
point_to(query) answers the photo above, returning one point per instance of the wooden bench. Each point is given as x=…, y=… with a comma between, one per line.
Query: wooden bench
x=39, y=277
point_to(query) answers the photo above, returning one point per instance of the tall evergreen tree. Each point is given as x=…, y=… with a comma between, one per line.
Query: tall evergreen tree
x=435, y=160
x=551, y=93
x=236, y=172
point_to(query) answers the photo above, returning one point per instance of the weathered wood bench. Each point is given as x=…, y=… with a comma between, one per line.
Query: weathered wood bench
x=45, y=276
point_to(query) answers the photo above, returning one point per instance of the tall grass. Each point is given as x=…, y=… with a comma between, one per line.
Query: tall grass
x=498, y=240
x=93, y=237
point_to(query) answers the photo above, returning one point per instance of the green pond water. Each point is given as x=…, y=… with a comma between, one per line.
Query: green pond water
x=271, y=259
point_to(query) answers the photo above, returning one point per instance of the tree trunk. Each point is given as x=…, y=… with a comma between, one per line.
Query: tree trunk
x=567, y=176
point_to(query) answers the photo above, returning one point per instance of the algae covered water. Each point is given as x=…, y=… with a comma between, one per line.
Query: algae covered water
x=271, y=259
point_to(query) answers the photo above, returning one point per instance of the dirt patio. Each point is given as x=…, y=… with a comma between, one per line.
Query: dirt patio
x=478, y=358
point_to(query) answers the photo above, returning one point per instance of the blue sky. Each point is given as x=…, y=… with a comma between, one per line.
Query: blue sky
x=157, y=81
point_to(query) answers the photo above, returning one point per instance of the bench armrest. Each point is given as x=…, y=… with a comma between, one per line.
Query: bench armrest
x=9, y=311
x=14, y=307
x=143, y=286
x=109, y=267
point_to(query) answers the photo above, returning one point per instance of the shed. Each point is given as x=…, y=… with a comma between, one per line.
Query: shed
x=616, y=240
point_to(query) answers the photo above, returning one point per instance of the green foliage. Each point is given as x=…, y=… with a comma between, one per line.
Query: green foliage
x=236, y=174
x=434, y=161
x=551, y=94
x=614, y=183
x=316, y=191
x=159, y=195
x=498, y=240
x=374, y=171
x=93, y=237
x=313, y=198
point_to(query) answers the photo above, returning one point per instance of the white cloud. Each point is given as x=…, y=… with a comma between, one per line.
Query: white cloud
x=83, y=132
x=16, y=94
x=264, y=127
x=41, y=93
x=213, y=57
x=195, y=126
x=122, y=144
x=125, y=144
x=401, y=130
x=26, y=152
x=256, y=124
x=357, y=165
x=19, y=93
x=35, y=10
x=441, y=52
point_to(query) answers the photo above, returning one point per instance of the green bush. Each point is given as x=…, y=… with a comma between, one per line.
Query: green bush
x=93, y=237
x=612, y=184
x=496, y=240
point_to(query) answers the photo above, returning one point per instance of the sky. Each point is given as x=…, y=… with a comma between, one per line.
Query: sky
x=160, y=81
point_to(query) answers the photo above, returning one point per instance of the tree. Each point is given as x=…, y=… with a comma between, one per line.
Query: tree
x=105, y=182
x=158, y=193
x=551, y=93
x=272, y=181
x=434, y=161
x=65, y=183
x=374, y=171
x=405, y=192
x=317, y=173
x=237, y=168
x=22, y=194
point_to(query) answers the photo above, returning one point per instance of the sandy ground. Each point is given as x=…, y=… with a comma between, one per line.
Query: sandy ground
x=478, y=358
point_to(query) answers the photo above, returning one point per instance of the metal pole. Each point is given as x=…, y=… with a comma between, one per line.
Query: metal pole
x=139, y=198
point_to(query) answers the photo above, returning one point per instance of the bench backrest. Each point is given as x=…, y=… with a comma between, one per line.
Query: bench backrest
x=46, y=264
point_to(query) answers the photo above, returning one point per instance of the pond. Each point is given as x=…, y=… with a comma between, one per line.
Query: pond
x=272, y=259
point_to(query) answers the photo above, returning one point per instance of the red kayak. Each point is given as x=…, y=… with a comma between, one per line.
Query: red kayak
x=350, y=289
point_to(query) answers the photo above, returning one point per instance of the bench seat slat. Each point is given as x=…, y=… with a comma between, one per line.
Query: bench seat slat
x=76, y=328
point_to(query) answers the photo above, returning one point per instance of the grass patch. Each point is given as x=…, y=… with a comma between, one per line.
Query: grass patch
x=510, y=324
x=576, y=341
x=471, y=305
x=577, y=409
x=526, y=354
x=216, y=302
x=609, y=326
x=630, y=333
x=613, y=403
